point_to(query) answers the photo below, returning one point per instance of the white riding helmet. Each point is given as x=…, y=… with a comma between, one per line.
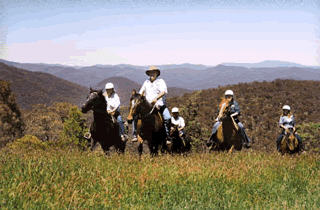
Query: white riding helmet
x=174, y=109
x=286, y=107
x=109, y=85
x=228, y=93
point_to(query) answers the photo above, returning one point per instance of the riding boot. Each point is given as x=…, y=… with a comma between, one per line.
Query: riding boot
x=211, y=140
x=300, y=145
x=167, y=129
x=245, y=138
x=279, y=141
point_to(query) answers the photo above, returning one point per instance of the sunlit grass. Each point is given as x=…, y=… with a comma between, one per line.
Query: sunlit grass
x=56, y=178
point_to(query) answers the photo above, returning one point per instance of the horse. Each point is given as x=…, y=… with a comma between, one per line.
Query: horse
x=103, y=128
x=179, y=144
x=289, y=143
x=228, y=134
x=150, y=124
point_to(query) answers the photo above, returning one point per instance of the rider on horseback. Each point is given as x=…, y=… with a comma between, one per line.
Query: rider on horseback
x=286, y=122
x=234, y=113
x=178, y=121
x=155, y=91
x=113, y=107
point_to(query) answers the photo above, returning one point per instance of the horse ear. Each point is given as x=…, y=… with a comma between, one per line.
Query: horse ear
x=143, y=94
x=90, y=89
x=133, y=92
x=142, y=97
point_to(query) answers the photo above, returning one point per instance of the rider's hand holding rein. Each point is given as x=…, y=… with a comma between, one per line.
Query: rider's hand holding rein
x=154, y=101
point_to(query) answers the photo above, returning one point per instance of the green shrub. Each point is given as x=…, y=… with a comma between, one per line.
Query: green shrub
x=74, y=128
x=27, y=143
x=11, y=124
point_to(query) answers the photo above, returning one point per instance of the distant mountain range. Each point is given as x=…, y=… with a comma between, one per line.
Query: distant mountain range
x=186, y=76
x=269, y=64
x=42, y=88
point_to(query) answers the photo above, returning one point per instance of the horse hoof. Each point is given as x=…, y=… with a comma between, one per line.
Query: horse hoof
x=247, y=145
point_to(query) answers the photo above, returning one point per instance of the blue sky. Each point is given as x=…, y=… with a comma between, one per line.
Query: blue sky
x=83, y=32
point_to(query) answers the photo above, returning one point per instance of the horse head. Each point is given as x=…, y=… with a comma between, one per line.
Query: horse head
x=224, y=108
x=174, y=130
x=93, y=101
x=291, y=139
x=136, y=101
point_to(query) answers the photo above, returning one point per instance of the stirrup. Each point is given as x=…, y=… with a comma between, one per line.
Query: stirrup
x=87, y=135
x=134, y=139
x=123, y=138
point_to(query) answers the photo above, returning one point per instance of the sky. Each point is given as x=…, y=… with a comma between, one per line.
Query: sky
x=83, y=32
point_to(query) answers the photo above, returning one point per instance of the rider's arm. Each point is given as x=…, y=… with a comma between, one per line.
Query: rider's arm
x=115, y=104
x=163, y=90
x=281, y=121
x=182, y=124
x=236, y=109
x=293, y=121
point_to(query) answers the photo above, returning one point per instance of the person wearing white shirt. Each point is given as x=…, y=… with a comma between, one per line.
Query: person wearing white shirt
x=178, y=121
x=113, y=107
x=155, y=91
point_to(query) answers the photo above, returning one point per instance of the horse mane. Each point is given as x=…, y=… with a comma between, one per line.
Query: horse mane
x=223, y=100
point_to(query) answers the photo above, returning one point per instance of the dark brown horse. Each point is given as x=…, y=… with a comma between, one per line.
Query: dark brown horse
x=180, y=144
x=228, y=135
x=150, y=124
x=289, y=143
x=102, y=129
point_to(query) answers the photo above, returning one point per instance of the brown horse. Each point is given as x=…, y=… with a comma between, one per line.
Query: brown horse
x=289, y=143
x=150, y=124
x=180, y=144
x=227, y=136
x=102, y=129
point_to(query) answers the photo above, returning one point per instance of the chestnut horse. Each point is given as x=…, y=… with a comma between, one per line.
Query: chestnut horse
x=150, y=124
x=227, y=136
x=289, y=143
x=102, y=129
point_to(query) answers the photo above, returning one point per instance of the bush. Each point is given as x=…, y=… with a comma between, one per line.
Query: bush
x=46, y=122
x=11, y=124
x=27, y=143
x=74, y=129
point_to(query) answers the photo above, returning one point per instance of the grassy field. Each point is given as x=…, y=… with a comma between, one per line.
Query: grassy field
x=48, y=177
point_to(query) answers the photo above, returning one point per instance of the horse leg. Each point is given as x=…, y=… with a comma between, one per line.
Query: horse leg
x=120, y=147
x=140, y=149
x=231, y=149
x=93, y=144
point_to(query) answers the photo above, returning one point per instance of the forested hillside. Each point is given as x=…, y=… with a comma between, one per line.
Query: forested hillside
x=260, y=104
x=40, y=88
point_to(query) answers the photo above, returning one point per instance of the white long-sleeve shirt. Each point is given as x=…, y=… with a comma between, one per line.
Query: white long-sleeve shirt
x=113, y=102
x=179, y=122
x=287, y=121
x=153, y=89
